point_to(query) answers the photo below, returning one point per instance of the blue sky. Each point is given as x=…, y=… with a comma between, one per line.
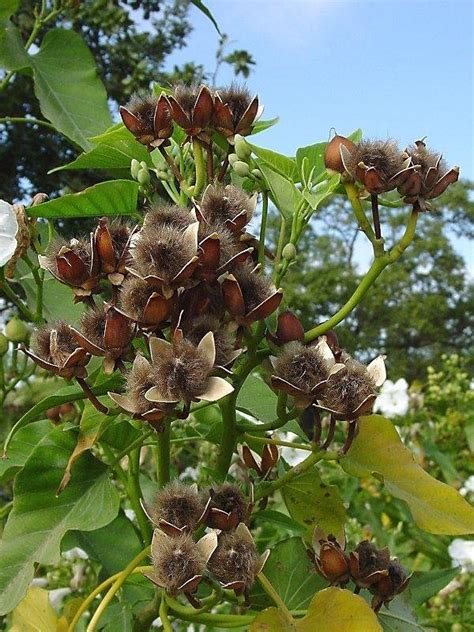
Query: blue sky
x=400, y=69
x=397, y=69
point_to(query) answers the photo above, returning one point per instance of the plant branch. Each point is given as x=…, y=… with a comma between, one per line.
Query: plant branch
x=22, y=119
x=163, y=455
x=263, y=228
x=274, y=596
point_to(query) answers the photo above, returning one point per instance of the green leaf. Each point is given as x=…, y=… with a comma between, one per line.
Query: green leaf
x=280, y=163
x=423, y=586
x=436, y=507
x=114, y=149
x=97, y=544
x=34, y=613
x=202, y=7
x=8, y=8
x=22, y=446
x=70, y=93
x=285, y=195
x=114, y=197
x=310, y=501
x=62, y=396
x=261, y=126
x=280, y=519
x=315, y=160
x=400, y=617
x=331, y=610
x=91, y=426
x=297, y=587
x=356, y=135
x=12, y=52
x=322, y=191
x=40, y=519
x=257, y=399
x=445, y=463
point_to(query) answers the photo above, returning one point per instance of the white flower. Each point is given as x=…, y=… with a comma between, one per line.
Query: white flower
x=130, y=514
x=57, y=595
x=291, y=455
x=462, y=553
x=8, y=231
x=393, y=400
x=74, y=554
x=189, y=473
x=468, y=486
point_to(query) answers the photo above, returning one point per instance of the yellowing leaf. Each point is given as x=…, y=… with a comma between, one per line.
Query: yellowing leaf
x=34, y=613
x=331, y=610
x=436, y=507
x=338, y=610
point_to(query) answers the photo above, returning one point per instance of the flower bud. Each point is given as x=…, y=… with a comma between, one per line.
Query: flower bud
x=241, y=168
x=242, y=148
x=233, y=159
x=16, y=330
x=134, y=168
x=257, y=174
x=3, y=345
x=143, y=177
x=289, y=252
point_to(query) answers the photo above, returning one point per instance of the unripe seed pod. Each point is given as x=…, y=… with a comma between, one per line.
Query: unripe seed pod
x=134, y=168
x=289, y=252
x=3, y=344
x=241, y=168
x=233, y=159
x=332, y=155
x=242, y=148
x=143, y=177
x=16, y=330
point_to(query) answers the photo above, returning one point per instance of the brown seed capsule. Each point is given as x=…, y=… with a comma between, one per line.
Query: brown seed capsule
x=263, y=463
x=143, y=304
x=183, y=371
x=289, y=329
x=105, y=332
x=390, y=585
x=332, y=562
x=228, y=507
x=192, y=108
x=235, y=112
x=54, y=348
x=218, y=251
x=368, y=564
x=235, y=563
x=112, y=242
x=177, y=508
x=195, y=330
x=227, y=204
x=149, y=119
x=179, y=562
x=332, y=154
x=160, y=215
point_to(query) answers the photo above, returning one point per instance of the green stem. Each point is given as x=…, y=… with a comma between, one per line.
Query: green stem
x=135, y=494
x=23, y=119
x=229, y=434
x=279, y=250
x=292, y=473
x=38, y=275
x=10, y=294
x=286, y=444
x=163, y=455
x=218, y=620
x=165, y=622
x=135, y=444
x=115, y=587
x=200, y=167
x=353, y=197
x=274, y=596
x=263, y=228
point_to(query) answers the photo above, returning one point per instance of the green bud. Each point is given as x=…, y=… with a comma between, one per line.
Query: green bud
x=143, y=177
x=143, y=165
x=242, y=148
x=257, y=174
x=3, y=345
x=457, y=627
x=16, y=330
x=289, y=252
x=241, y=168
x=163, y=175
x=233, y=159
x=134, y=168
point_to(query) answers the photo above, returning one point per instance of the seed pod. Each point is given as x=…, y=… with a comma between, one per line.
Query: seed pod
x=112, y=245
x=289, y=329
x=263, y=463
x=192, y=108
x=177, y=508
x=387, y=587
x=143, y=304
x=149, y=119
x=368, y=564
x=235, y=563
x=332, y=155
x=228, y=507
x=235, y=112
x=197, y=328
x=229, y=205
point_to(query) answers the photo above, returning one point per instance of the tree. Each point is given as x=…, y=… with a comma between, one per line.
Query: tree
x=417, y=310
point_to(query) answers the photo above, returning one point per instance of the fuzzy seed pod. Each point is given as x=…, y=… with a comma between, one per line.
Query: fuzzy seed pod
x=55, y=348
x=74, y=263
x=192, y=108
x=350, y=392
x=148, y=118
x=183, y=371
x=142, y=303
x=235, y=111
x=112, y=242
x=165, y=256
x=177, y=507
x=218, y=251
x=105, y=332
x=227, y=204
x=235, y=563
x=177, y=561
x=160, y=215
x=199, y=327
x=228, y=507
x=386, y=588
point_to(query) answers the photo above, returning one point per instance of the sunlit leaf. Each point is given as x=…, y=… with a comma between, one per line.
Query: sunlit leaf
x=436, y=507
x=280, y=163
x=114, y=197
x=322, y=191
x=39, y=518
x=12, y=52
x=257, y=398
x=34, y=613
x=22, y=446
x=202, y=7
x=261, y=126
x=68, y=88
x=284, y=194
x=310, y=501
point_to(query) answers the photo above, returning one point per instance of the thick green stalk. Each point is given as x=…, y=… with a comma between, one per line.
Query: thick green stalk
x=21, y=119
x=163, y=455
x=200, y=166
x=274, y=596
x=263, y=228
x=229, y=434
x=134, y=493
x=10, y=294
